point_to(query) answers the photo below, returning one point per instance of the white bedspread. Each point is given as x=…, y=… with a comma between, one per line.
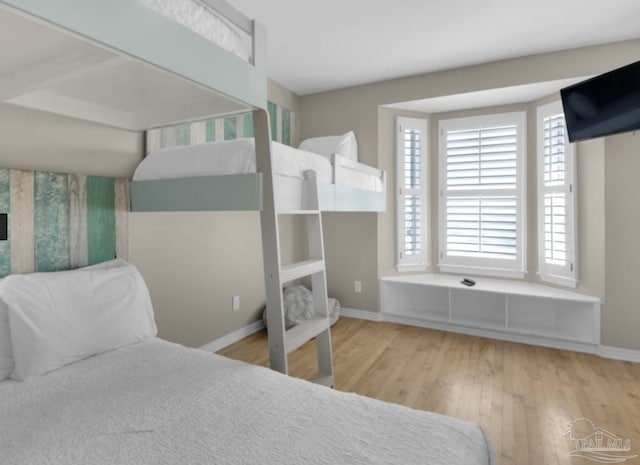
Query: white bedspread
x=158, y=403
x=229, y=157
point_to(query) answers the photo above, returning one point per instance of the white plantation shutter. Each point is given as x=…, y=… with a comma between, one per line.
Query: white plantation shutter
x=481, y=180
x=411, y=207
x=556, y=198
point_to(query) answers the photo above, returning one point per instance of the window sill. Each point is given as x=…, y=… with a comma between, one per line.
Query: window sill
x=469, y=270
x=559, y=280
x=410, y=268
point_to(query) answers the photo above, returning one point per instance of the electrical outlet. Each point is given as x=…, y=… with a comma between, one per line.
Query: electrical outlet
x=235, y=303
x=357, y=286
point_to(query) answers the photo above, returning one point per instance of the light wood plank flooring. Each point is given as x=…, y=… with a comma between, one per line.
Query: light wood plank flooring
x=524, y=396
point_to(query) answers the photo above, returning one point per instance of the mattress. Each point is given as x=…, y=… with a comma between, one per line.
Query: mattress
x=159, y=403
x=205, y=21
x=238, y=156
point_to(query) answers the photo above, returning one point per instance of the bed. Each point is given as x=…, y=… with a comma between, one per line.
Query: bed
x=162, y=179
x=95, y=386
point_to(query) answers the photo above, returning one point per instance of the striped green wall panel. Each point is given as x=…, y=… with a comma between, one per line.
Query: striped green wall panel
x=230, y=128
x=286, y=127
x=101, y=219
x=22, y=222
x=272, y=108
x=211, y=130
x=61, y=221
x=5, y=206
x=51, y=219
x=184, y=134
x=226, y=128
x=77, y=220
x=248, y=126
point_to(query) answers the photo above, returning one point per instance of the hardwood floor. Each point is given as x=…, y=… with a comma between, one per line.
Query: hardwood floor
x=524, y=396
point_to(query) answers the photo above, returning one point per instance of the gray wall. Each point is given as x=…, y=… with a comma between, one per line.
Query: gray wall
x=621, y=314
x=194, y=263
x=33, y=140
x=360, y=245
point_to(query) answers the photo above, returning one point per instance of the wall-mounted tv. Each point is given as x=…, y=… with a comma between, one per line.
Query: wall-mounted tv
x=603, y=105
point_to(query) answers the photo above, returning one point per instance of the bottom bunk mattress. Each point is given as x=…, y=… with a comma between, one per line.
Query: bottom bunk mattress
x=238, y=157
x=159, y=403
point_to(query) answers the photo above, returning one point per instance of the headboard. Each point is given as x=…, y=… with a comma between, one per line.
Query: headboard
x=61, y=221
x=227, y=128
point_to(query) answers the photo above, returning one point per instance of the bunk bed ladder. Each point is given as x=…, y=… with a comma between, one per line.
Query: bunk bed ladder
x=281, y=340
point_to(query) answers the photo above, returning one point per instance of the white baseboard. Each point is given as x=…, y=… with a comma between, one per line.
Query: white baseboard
x=494, y=334
x=361, y=314
x=228, y=339
x=616, y=353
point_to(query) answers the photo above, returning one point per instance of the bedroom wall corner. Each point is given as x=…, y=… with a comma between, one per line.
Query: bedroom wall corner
x=620, y=316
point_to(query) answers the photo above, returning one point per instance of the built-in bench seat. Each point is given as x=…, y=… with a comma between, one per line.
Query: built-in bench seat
x=510, y=310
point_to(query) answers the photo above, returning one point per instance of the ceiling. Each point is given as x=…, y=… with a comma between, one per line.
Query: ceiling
x=486, y=98
x=321, y=45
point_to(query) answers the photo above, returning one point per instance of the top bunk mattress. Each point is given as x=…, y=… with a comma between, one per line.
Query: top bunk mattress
x=205, y=21
x=156, y=402
x=228, y=157
x=238, y=157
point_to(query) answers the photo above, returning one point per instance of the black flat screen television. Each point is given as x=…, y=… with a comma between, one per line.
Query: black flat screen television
x=603, y=105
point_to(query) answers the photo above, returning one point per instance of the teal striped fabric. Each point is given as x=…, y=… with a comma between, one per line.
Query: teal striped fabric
x=184, y=134
x=225, y=128
x=230, y=128
x=65, y=220
x=272, y=109
x=247, y=125
x=286, y=127
x=210, y=130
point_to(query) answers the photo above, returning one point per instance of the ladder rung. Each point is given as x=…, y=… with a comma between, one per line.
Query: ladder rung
x=324, y=379
x=301, y=269
x=305, y=331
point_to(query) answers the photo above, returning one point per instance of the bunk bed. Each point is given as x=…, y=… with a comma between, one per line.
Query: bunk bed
x=222, y=176
x=133, y=64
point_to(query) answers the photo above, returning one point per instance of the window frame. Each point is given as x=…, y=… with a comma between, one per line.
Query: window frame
x=566, y=275
x=419, y=262
x=474, y=265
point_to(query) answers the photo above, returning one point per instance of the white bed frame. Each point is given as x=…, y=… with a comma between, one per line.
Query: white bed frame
x=91, y=60
x=120, y=63
x=239, y=192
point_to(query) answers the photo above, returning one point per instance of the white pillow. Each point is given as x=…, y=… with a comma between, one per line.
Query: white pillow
x=63, y=317
x=6, y=352
x=344, y=145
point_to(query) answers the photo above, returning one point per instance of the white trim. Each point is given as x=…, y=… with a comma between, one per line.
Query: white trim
x=491, y=266
x=619, y=353
x=231, y=338
x=424, y=259
x=493, y=334
x=361, y=314
x=495, y=272
x=408, y=268
x=563, y=275
x=614, y=353
x=559, y=280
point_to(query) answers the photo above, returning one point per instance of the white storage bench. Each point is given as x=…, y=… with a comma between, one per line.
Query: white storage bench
x=510, y=310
